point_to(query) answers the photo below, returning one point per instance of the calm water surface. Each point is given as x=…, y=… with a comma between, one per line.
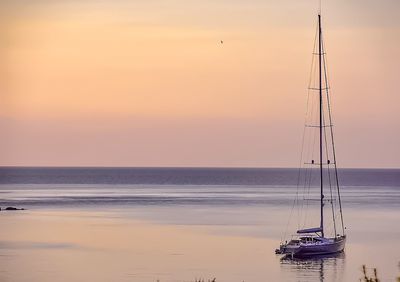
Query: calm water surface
x=86, y=224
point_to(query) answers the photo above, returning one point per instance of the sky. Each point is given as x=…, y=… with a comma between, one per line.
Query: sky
x=148, y=83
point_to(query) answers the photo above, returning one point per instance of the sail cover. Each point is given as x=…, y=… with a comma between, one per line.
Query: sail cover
x=309, y=230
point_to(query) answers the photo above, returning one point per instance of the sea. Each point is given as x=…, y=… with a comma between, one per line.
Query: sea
x=185, y=224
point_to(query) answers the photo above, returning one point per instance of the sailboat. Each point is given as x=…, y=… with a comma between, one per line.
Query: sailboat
x=322, y=172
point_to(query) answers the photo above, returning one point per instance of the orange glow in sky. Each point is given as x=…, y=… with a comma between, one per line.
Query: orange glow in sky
x=148, y=83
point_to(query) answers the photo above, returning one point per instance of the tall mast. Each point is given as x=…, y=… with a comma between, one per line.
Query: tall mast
x=333, y=146
x=320, y=121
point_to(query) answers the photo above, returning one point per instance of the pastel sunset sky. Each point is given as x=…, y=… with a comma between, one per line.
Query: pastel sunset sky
x=148, y=82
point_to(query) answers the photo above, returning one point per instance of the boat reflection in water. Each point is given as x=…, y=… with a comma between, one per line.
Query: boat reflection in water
x=317, y=268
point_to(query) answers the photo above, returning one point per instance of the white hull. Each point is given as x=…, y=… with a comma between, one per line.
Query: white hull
x=320, y=246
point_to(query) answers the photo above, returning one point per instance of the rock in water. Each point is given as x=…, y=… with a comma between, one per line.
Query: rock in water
x=13, y=209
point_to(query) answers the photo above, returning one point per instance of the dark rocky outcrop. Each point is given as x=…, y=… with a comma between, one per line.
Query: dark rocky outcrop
x=13, y=209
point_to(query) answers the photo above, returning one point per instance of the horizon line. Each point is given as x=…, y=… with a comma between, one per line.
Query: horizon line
x=188, y=167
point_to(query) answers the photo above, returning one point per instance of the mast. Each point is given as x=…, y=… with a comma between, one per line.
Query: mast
x=333, y=149
x=320, y=121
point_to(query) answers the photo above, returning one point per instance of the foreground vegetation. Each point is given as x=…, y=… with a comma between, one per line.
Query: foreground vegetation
x=374, y=277
x=366, y=276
